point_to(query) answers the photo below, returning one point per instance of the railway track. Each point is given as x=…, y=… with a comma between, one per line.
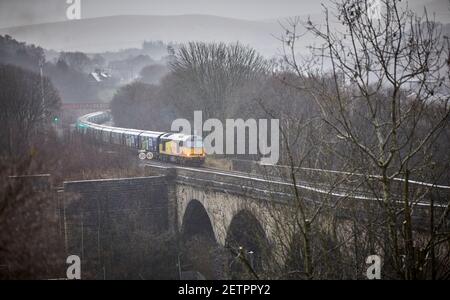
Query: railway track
x=321, y=188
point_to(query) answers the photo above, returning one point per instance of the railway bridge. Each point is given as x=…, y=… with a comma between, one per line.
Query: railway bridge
x=249, y=208
x=230, y=208
x=223, y=206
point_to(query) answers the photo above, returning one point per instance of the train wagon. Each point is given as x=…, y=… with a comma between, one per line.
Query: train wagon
x=165, y=146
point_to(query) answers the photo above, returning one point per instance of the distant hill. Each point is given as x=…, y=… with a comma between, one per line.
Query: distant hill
x=119, y=32
x=130, y=31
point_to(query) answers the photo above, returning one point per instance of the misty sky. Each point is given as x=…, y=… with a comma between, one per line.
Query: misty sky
x=24, y=12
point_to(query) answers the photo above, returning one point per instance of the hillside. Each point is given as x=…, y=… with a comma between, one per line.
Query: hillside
x=119, y=32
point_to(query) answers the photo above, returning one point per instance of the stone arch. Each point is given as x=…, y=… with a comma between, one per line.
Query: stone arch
x=247, y=233
x=196, y=221
x=199, y=249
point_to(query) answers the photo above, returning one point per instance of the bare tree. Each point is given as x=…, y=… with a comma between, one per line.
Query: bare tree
x=382, y=89
x=28, y=104
x=76, y=60
x=210, y=75
x=153, y=74
x=30, y=244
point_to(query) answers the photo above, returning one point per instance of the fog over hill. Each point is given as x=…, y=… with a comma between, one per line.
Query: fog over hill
x=98, y=33
x=119, y=32
x=27, y=12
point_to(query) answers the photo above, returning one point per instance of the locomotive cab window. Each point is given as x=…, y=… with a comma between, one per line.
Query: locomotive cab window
x=194, y=143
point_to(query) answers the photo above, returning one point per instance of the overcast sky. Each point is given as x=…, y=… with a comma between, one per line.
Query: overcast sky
x=24, y=12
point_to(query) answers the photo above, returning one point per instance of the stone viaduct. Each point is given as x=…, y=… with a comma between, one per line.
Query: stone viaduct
x=227, y=206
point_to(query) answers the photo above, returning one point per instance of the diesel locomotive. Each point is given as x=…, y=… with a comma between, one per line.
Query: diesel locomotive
x=165, y=146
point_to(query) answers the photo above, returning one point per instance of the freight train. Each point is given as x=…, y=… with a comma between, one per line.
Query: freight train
x=165, y=146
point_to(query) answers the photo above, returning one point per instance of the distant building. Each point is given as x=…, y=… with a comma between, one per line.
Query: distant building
x=99, y=76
